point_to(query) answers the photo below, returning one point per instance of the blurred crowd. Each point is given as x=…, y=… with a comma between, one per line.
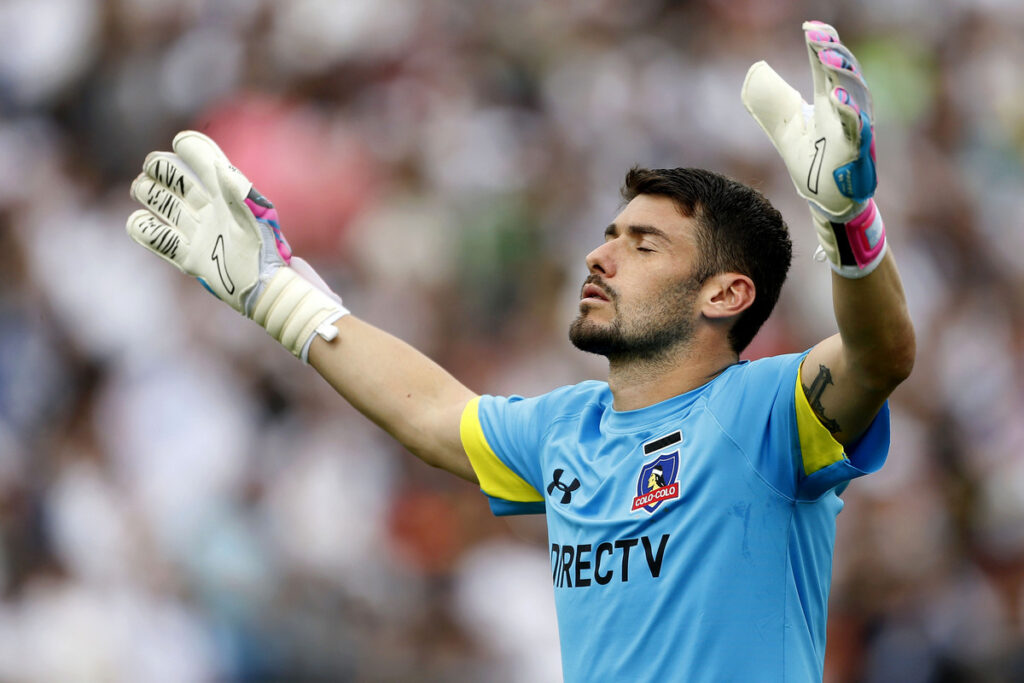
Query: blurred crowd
x=181, y=500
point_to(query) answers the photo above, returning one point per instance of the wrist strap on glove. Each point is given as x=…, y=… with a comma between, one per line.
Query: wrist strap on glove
x=293, y=310
x=853, y=247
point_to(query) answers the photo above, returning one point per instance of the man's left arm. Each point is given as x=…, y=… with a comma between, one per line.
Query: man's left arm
x=829, y=150
x=848, y=376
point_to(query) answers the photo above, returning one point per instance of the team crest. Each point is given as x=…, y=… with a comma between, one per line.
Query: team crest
x=657, y=482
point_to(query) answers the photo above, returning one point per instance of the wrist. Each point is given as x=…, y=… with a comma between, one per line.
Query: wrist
x=293, y=311
x=854, y=243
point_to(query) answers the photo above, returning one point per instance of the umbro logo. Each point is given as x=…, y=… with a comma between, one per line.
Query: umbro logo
x=566, y=489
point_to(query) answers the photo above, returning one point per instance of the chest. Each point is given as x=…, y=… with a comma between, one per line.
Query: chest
x=634, y=479
x=674, y=499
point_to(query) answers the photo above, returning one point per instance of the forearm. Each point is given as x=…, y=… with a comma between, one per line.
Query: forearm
x=874, y=326
x=847, y=377
x=400, y=389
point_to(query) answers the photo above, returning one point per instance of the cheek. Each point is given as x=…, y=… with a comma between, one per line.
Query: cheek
x=651, y=289
x=638, y=302
x=666, y=298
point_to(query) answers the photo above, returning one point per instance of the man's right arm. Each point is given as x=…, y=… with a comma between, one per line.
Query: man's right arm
x=204, y=217
x=405, y=393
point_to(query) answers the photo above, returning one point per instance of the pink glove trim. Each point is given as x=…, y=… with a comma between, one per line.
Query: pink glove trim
x=268, y=215
x=866, y=234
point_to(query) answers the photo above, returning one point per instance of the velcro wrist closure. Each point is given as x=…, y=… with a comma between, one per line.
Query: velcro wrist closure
x=292, y=310
x=855, y=245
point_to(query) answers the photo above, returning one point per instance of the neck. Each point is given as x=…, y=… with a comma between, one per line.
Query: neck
x=641, y=382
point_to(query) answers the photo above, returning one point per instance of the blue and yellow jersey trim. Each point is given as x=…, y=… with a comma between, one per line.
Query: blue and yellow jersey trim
x=818, y=448
x=499, y=482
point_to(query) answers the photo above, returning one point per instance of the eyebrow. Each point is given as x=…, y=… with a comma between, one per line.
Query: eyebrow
x=613, y=230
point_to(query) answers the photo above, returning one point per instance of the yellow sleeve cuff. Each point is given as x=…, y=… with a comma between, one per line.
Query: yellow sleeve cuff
x=818, y=448
x=496, y=479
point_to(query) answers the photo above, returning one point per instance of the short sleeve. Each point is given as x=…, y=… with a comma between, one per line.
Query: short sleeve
x=502, y=439
x=765, y=411
x=824, y=463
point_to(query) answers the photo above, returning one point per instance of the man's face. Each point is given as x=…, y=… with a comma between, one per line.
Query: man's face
x=640, y=299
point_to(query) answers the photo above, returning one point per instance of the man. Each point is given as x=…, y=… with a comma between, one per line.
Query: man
x=691, y=499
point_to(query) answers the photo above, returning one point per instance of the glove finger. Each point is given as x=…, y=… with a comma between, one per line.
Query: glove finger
x=820, y=32
x=836, y=57
x=818, y=35
x=202, y=155
x=162, y=202
x=832, y=64
x=849, y=114
x=842, y=70
x=856, y=179
x=211, y=165
x=170, y=171
x=154, y=234
x=773, y=102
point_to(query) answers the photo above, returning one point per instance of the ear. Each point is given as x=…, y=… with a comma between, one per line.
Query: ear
x=726, y=295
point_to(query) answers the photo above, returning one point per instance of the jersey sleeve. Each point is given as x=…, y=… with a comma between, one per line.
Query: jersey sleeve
x=824, y=462
x=502, y=437
x=766, y=413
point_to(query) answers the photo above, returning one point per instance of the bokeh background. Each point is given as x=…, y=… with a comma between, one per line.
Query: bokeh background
x=180, y=500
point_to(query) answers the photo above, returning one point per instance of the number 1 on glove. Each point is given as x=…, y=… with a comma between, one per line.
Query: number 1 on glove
x=828, y=148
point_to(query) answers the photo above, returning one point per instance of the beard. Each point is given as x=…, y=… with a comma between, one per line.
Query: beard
x=646, y=332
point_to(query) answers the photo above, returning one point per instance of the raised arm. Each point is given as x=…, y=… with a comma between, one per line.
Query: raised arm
x=829, y=151
x=848, y=376
x=205, y=218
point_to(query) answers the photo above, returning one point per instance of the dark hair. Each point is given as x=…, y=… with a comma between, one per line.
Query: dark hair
x=738, y=231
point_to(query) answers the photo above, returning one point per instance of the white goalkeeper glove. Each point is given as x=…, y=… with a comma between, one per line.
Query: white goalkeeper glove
x=828, y=148
x=205, y=218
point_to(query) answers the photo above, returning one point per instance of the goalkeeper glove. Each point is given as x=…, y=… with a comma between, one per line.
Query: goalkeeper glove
x=205, y=218
x=828, y=148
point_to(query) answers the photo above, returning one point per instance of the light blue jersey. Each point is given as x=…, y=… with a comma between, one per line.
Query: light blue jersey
x=690, y=540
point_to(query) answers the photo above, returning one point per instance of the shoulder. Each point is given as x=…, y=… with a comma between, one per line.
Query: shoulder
x=765, y=374
x=580, y=395
x=567, y=400
x=509, y=420
x=750, y=391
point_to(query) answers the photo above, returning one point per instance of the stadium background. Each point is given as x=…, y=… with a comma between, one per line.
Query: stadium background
x=182, y=501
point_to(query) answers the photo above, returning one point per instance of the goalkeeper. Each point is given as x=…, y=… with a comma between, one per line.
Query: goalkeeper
x=690, y=499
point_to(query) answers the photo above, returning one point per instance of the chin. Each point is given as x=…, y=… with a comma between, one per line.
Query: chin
x=592, y=337
x=585, y=324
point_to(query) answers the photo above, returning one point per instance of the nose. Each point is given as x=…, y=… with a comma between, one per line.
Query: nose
x=602, y=260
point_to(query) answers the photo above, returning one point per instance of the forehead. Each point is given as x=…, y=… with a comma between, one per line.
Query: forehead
x=658, y=212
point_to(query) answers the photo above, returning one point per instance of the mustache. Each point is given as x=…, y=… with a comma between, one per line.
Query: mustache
x=595, y=279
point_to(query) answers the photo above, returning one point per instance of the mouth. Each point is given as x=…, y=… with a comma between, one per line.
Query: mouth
x=592, y=292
